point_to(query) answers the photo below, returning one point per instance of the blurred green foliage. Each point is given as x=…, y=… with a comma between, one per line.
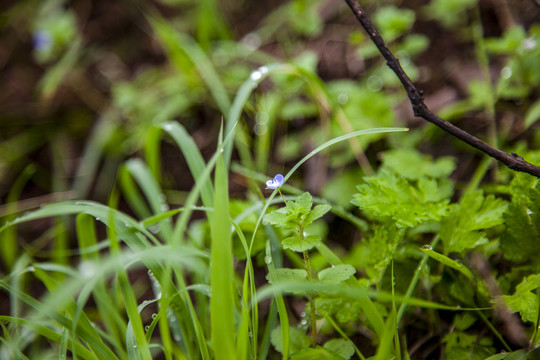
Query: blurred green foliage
x=97, y=98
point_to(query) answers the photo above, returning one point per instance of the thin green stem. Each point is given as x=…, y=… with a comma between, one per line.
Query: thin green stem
x=311, y=301
x=282, y=197
x=414, y=281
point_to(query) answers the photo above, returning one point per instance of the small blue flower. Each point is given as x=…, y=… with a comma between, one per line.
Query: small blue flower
x=41, y=40
x=275, y=183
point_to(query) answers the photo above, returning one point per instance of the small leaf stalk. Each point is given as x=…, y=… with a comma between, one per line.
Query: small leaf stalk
x=311, y=301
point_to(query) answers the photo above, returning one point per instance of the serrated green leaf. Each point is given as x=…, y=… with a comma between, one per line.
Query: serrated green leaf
x=520, y=241
x=407, y=203
x=298, y=340
x=342, y=347
x=375, y=252
x=285, y=274
x=300, y=245
x=305, y=202
x=345, y=309
x=337, y=273
x=413, y=165
x=277, y=218
x=463, y=228
x=524, y=300
x=317, y=212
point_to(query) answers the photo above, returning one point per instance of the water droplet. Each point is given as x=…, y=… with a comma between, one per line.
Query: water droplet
x=303, y=314
x=303, y=322
x=252, y=41
x=404, y=57
x=458, y=261
x=426, y=247
x=268, y=259
x=261, y=117
x=529, y=44
x=342, y=98
x=260, y=129
x=87, y=269
x=168, y=127
x=263, y=70
x=164, y=207
x=146, y=328
x=134, y=346
x=256, y=75
x=506, y=72
x=162, y=197
x=154, y=316
x=250, y=334
x=458, y=307
x=374, y=83
x=97, y=219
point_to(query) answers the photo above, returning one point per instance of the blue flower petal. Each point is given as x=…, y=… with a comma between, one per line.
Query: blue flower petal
x=275, y=183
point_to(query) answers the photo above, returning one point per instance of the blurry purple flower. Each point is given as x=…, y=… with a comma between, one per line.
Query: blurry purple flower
x=275, y=183
x=41, y=40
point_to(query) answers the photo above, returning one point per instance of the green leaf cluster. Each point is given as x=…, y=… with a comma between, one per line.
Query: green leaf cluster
x=334, y=349
x=410, y=189
x=525, y=300
x=407, y=203
x=521, y=240
x=464, y=227
x=294, y=218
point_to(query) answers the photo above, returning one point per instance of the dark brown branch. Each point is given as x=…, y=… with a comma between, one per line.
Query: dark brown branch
x=513, y=161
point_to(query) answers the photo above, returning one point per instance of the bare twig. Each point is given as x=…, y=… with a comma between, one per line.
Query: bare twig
x=513, y=161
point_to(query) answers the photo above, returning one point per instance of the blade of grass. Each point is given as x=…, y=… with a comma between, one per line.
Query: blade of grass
x=281, y=308
x=49, y=334
x=249, y=292
x=150, y=187
x=8, y=239
x=101, y=134
x=222, y=303
x=135, y=337
x=414, y=280
x=193, y=157
x=152, y=151
x=179, y=48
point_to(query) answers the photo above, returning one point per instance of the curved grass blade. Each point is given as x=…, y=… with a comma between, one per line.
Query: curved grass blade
x=152, y=191
x=222, y=302
x=353, y=292
x=129, y=229
x=193, y=157
x=282, y=309
x=179, y=48
x=50, y=334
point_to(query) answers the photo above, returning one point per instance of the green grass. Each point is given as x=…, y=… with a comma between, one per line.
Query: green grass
x=145, y=271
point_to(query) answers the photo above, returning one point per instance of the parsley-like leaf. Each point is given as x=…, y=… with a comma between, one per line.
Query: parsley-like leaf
x=413, y=165
x=463, y=228
x=521, y=240
x=407, y=203
x=524, y=300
